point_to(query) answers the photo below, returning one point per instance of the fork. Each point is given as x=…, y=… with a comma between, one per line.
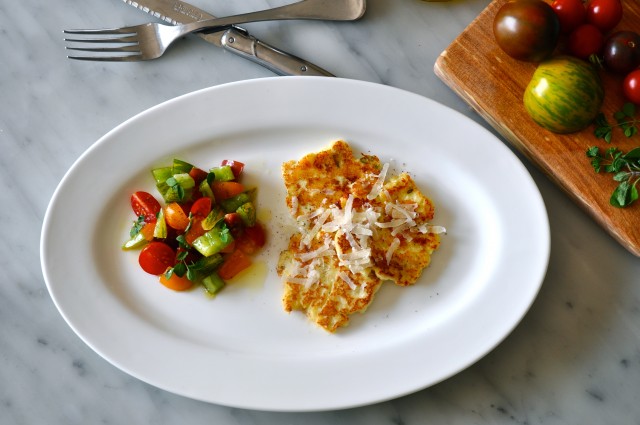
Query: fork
x=151, y=40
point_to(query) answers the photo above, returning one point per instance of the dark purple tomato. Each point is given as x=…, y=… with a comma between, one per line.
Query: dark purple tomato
x=526, y=30
x=621, y=52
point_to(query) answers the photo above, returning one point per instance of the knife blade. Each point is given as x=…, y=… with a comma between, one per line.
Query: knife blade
x=235, y=39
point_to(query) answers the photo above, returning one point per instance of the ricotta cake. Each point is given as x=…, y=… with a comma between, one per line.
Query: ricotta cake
x=356, y=229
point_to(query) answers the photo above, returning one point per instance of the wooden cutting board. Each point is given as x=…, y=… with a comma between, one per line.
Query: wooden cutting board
x=493, y=84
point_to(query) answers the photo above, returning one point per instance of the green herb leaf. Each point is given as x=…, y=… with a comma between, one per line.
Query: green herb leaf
x=137, y=226
x=625, y=119
x=626, y=170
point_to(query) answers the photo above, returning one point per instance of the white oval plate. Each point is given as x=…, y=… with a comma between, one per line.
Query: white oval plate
x=241, y=349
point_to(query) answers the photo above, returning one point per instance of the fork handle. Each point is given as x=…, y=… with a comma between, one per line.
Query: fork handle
x=276, y=60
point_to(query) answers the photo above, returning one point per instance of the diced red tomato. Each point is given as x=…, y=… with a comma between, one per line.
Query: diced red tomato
x=198, y=175
x=233, y=264
x=236, y=167
x=232, y=220
x=143, y=203
x=176, y=282
x=201, y=208
x=156, y=257
x=251, y=239
x=195, y=231
x=226, y=190
x=257, y=234
x=229, y=248
x=176, y=217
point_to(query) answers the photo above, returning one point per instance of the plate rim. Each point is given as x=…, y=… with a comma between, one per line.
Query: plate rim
x=277, y=81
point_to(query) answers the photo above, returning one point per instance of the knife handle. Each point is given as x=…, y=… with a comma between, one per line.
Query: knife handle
x=281, y=63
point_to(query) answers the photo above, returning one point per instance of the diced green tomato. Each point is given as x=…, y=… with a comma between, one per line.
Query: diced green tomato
x=213, y=241
x=169, y=194
x=233, y=264
x=160, y=175
x=141, y=238
x=212, y=219
x=213, y=283
x=180, y=166
x=185, y=180
x=223, y=173
x=225, y=190
x=160, y=229
x=235, y=202
x=247, y=213
x=206, y=265
x=206, y=191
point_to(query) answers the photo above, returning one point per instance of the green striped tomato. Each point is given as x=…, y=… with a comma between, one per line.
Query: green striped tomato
x=564, y=95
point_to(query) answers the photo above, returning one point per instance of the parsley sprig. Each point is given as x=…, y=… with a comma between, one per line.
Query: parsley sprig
x=625, y=168
x=625, y=119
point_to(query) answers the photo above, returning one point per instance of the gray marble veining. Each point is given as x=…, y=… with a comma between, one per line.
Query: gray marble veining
x=574, y=358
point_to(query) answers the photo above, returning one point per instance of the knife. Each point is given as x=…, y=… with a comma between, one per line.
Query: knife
x=235, y=39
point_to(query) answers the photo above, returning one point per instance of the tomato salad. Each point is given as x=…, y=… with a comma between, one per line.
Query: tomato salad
x=205, y=234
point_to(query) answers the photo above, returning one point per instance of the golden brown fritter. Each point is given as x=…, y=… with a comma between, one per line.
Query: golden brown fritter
x=355, y=231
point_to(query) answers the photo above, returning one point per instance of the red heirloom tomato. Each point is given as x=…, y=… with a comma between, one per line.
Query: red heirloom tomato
x=586, y=40
x=604, y=14
x=156, y=257
x=526, y=30
x=631, y=86
x=571, y=14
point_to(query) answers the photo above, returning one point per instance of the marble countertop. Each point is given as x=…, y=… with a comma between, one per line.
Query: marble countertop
x=574, y=358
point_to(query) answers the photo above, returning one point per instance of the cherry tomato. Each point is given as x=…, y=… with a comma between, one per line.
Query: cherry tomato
x=156, y=257
x=201, y=208
x=604, y=14
x=226, y=190
x=176, y=282
x=143, y=203
x=176, y=217
x=236, y=167
x=233, y=264
x=621, y=52
x=586, y=40
x=526, y=30
x=631, y=86
x=571, y=14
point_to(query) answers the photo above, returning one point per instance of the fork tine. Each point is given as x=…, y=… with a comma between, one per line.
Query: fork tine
x=129, y=58
x=125, y=30
x=129, y=39
x=124, y=49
